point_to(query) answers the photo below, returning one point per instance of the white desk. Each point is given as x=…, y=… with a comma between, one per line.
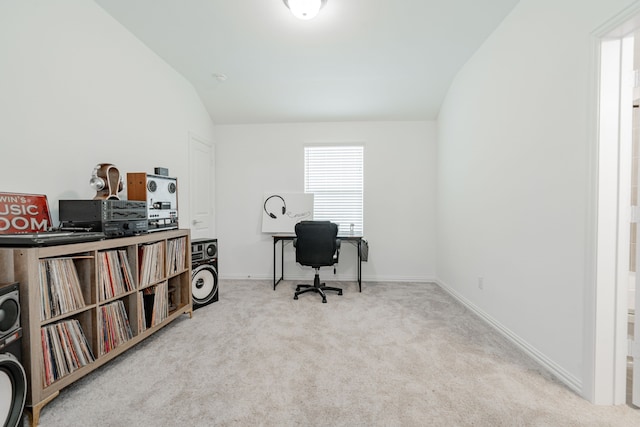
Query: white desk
x=285, y=238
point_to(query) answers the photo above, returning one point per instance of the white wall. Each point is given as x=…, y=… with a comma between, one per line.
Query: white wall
x=399, y=195
x=77, y=89
x=514, y=178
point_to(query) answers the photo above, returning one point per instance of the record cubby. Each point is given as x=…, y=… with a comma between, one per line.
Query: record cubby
x=82, y=304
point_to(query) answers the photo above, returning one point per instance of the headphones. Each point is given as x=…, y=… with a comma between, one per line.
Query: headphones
x=107, y=181
x=284, y=206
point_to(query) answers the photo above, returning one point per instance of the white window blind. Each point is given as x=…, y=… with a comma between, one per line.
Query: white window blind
x=335, y=176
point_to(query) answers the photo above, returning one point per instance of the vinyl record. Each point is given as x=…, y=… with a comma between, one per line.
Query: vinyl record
x=13, y=390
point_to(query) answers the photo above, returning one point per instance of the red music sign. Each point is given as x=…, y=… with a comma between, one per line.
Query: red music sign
x=23, y=213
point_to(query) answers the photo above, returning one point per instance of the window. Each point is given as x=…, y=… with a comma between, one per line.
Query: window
x=334, y=174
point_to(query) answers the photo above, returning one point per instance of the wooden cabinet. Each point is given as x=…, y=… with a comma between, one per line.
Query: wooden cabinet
x=83, y=304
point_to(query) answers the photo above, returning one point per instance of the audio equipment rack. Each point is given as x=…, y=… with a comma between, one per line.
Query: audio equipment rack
x=165, y=253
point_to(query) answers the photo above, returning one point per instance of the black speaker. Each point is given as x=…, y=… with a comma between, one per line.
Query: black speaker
x=204, y=272
x=13, y=380
x=9, y=309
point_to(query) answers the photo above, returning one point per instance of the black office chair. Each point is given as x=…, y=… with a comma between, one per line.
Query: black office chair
x=316, y=246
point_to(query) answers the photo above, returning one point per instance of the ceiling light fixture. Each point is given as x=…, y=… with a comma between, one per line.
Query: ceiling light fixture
x=305, y=9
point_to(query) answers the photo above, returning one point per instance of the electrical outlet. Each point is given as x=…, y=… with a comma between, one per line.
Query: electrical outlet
x=480, y=283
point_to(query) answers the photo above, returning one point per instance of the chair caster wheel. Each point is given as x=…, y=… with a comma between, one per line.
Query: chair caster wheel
x=295, y=297
x=340, y=293
x=324, y=300
x=297, y=288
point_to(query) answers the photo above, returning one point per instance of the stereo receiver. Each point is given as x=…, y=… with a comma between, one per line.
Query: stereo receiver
x=112, y=217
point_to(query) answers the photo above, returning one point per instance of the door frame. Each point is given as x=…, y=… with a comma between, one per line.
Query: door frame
x=605, y=340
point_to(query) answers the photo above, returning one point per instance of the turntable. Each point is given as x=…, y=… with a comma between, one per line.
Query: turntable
x=49, y=238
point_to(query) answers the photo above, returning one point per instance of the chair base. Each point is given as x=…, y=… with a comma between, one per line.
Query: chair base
x=316, y=287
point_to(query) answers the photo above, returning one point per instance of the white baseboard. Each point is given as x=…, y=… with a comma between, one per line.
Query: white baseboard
x=417, y=279
x=329, y=277
x=567, y=378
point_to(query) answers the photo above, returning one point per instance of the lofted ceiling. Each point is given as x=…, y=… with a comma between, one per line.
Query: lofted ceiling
x=358, y=60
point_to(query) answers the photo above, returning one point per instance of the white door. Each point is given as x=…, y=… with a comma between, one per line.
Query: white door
x=201, y=179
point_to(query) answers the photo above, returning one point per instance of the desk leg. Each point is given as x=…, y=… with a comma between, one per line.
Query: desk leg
x=275, y=243
x=359, y=265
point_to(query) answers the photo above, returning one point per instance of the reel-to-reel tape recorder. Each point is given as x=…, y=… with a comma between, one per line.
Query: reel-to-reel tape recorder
x=161, y=194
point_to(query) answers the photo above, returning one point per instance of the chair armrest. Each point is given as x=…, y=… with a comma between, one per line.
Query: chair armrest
x=295, y=242
x=337, y=256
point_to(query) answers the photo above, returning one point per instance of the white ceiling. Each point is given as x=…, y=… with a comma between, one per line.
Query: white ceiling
x=358, y=60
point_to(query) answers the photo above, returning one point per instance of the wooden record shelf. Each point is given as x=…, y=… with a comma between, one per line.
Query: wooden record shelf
x=89, y=302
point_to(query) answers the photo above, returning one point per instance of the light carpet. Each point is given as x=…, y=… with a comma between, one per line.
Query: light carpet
x=397, y=354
